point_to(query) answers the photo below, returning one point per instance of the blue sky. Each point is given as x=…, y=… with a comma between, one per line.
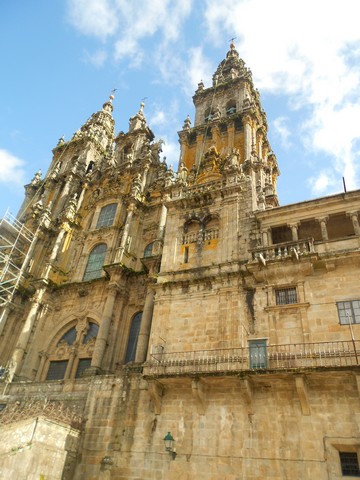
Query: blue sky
x=60, y=60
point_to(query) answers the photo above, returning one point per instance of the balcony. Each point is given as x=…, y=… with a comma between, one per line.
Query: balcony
x=295, y=249
x=200, y=236
x=232, y=361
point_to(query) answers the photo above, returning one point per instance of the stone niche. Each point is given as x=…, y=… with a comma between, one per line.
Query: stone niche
x=37, y=448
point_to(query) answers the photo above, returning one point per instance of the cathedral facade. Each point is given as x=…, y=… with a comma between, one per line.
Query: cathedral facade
x=158, y=324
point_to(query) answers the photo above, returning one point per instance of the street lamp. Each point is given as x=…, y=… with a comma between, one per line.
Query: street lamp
x=169, y=445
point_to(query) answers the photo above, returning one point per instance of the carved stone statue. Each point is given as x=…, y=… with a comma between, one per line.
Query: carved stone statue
x=182, y=174
x=37, y=179
x=136, y=186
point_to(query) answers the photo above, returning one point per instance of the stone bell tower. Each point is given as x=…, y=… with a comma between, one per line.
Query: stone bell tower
x=230, y=132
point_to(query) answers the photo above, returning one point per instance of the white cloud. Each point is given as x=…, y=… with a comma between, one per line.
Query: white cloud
x=308, y=51
x=11, y=169
x=171, y=152
x=97, y=58
x=129, y=22
x=158, y=119
x=323, y=183
x=281, y=128
x=93, y=17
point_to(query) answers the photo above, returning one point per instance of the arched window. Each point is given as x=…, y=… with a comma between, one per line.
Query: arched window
x=107, y=215
x=148, y=249
x=95, y=262
x=72, y=354
x=133, y=338
x=69, y=337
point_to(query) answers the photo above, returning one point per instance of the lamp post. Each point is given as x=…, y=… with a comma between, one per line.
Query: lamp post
x=169, y=445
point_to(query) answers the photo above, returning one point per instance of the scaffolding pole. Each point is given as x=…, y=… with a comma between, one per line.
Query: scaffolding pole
x=16, y=245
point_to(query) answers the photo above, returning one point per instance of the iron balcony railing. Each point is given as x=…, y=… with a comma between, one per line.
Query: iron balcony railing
x=255, y=357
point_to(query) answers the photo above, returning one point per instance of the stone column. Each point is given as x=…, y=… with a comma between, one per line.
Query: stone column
x=260, y=146
x=54, y=254
x=70, y=364
x=145, y=173
x=324, y=232
x=294, y=231
x=199, y=148
x=130, y=212
x=40, y=370
x=231, y=135
x=64, y=194
x=355, y=221
x=162, y=222
x=19, y=352
x=216, y=136
x=247, y=136
x=143, y=339
x=265, y=237
x=103, y=334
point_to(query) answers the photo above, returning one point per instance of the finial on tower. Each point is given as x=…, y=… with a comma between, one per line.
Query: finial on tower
x=142, y=104
x=112, y=94
x=232, y=44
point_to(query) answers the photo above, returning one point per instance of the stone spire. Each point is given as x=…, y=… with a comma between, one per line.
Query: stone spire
x=138, y=121
x=231, y=67
x=100, y=126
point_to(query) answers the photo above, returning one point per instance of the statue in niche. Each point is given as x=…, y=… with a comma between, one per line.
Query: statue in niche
x=217, y=113
x=192, y=175
x=56, y=171
x=232, y=163
x=261, y=201
x=136, y=186
x=38, y=207
x=182, y=174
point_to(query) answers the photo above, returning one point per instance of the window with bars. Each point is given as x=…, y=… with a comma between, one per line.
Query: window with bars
x=57, y=370
x=83, y=364
x=349, y=312
x=286, y=296
x=107, y=215
x=95, y=262
x=349, y=464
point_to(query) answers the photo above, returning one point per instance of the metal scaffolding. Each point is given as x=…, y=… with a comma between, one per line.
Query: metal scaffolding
x=15, y=241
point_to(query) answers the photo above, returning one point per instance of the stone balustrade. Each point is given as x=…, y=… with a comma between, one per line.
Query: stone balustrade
x=200, y=236
x=280, y=251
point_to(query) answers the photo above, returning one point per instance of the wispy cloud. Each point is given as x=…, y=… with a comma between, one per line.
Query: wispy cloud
x=281, y=128
x=11, y=169
x=323, y=182
x=94, y=17
x=294, y=52
x=98, y=58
